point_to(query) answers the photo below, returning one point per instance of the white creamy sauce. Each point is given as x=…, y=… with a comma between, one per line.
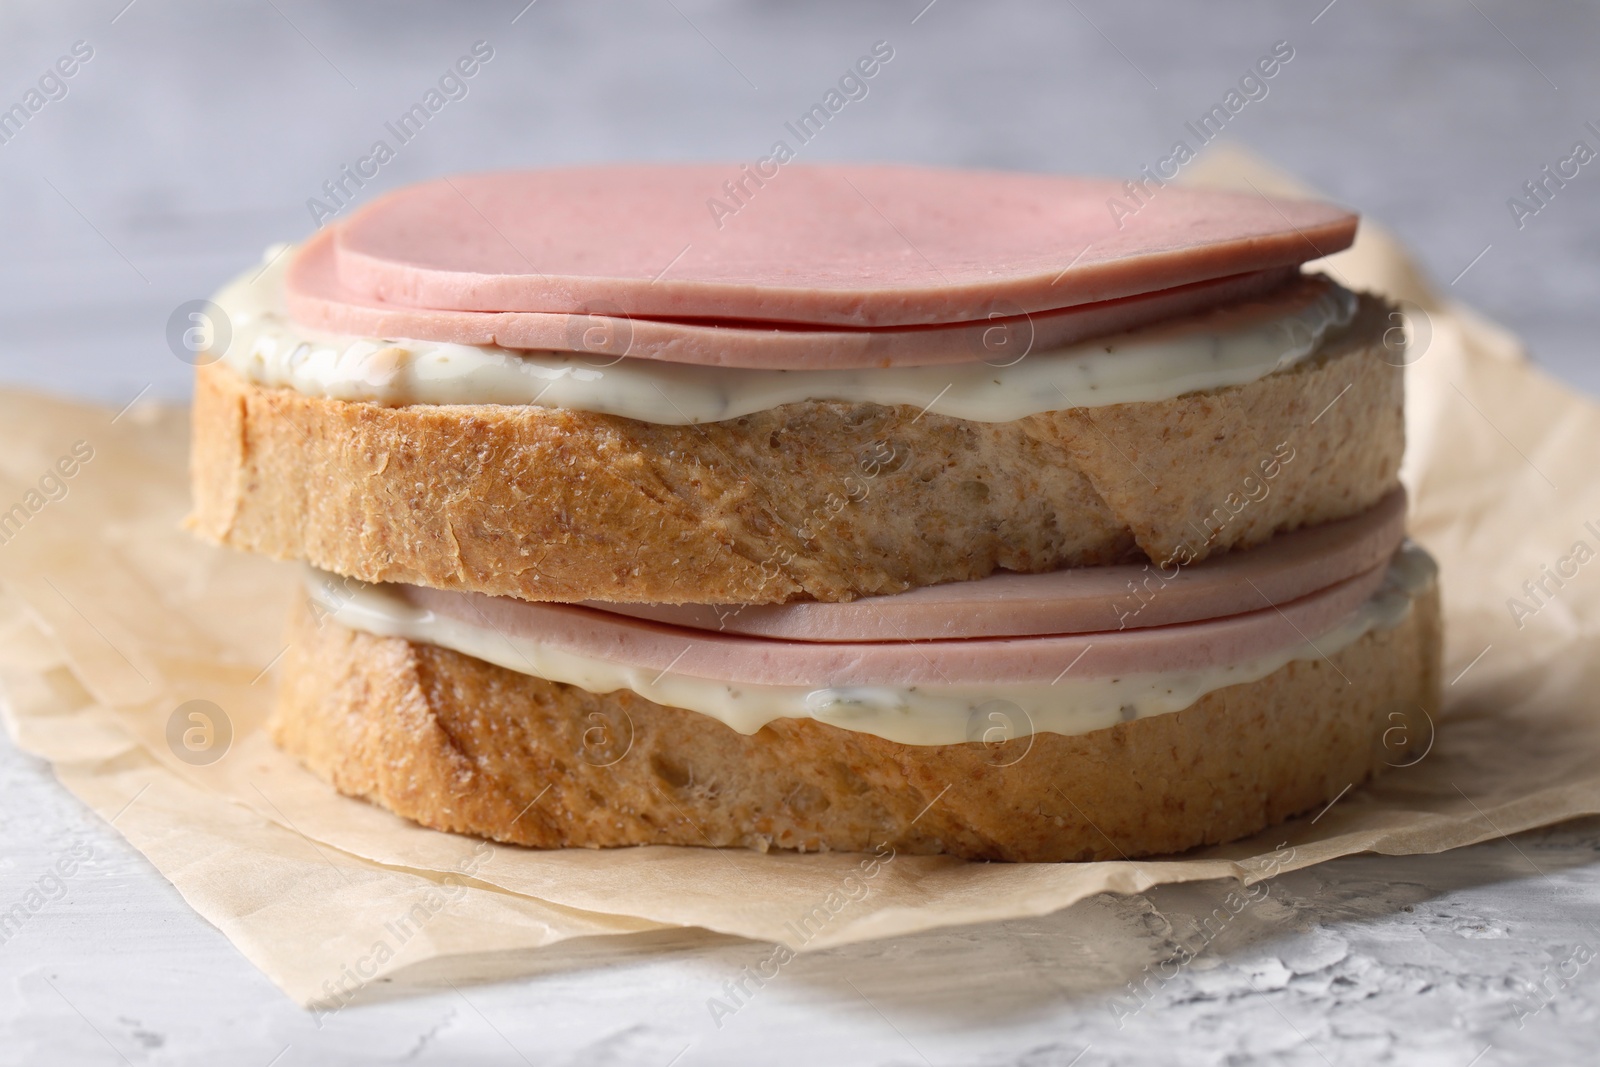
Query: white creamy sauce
x=1154, y=364
x=914, y=715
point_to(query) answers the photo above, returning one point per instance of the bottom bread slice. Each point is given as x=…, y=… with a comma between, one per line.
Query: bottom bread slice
x=456, y=743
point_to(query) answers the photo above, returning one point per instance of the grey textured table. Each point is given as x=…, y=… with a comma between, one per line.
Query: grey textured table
x=194, y=135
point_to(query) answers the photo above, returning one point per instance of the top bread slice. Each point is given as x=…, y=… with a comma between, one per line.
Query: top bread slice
x=823, y=500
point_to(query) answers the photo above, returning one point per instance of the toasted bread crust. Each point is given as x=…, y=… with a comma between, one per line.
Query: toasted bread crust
x=458, y=744
x=818, y=500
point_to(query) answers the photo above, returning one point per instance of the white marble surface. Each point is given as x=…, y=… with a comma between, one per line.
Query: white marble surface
x=196, y=133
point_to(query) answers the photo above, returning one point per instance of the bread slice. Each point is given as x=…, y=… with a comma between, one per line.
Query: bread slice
x=820, y=500
x=458, y=744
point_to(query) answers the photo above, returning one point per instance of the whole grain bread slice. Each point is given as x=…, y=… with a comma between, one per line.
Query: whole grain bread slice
x=458, y=744
x=818, y=500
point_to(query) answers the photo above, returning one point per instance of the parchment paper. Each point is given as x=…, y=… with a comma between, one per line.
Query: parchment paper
x=113, y=620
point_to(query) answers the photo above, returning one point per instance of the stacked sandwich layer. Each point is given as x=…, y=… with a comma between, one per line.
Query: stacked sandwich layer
x=923, y=507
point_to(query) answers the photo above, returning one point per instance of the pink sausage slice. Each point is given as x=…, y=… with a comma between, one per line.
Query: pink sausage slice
x=318, y=300
x=1076, y=600
x=861, y=246
x=655, y=647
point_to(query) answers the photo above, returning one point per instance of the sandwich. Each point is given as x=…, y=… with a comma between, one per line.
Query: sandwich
x=940, y=508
